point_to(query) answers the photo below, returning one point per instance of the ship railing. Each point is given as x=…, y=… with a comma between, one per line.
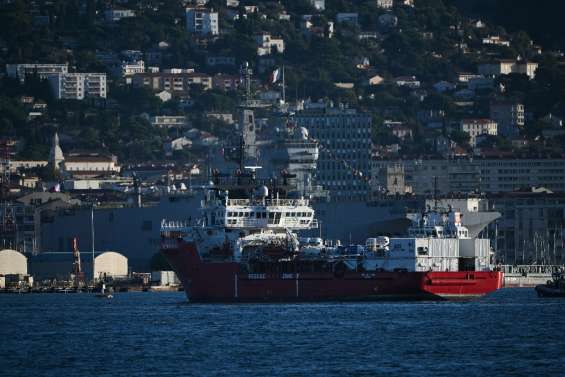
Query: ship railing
x=265, y=223
x=168, y=225
x=527, y=269
x=269, y=202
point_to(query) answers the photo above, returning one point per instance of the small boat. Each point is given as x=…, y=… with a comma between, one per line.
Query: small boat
x=553, y=288
x=105, y=294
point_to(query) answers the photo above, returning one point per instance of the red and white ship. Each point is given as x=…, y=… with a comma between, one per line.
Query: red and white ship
x=248, y=249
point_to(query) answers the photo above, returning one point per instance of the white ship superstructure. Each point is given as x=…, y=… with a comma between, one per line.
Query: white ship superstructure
x=230, y=227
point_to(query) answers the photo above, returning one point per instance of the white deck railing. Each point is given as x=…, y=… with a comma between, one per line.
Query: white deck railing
x=268, y=202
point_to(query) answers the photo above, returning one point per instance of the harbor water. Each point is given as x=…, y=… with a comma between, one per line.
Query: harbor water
x=509, y=333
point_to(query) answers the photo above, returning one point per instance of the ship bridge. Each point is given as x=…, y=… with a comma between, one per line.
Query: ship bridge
x=292, y=214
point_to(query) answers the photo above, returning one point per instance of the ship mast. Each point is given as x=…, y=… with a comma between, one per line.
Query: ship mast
x=92, y=238
x=248, y=147
x=283, y=87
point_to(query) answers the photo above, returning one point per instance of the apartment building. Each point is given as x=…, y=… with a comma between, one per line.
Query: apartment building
x=172, y=81
x=465, y=175
x=91, y=163
x=478, y=127
x=385, y=4
x=345, y=145
x=78, y=86
x=506, y=67
x=202, y=21
x=170, y=121
x=20, y=71
x=266, y=44
x=130, y=68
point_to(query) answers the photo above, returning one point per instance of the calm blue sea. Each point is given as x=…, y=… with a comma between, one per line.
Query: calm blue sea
x=509, y=333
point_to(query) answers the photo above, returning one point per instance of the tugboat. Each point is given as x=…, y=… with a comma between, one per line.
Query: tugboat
x=554, y=287
x=246, y=247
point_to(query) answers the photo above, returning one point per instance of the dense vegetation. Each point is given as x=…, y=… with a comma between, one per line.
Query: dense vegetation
x=424, y=44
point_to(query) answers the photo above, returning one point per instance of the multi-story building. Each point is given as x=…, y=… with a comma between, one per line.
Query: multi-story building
x=496, y=40
x=91, y=164
x=202, y=21
x=266, y=44
x=424, y=177
x=385, y=4
x=345, y=146
x=464, y=175
x=173, y=82
x=20, y=71
x=506, y=67
x=131, y=68
x=222, y=81
x=170, y=121
x=509, y=115
x=78, y=86
x=478, y=127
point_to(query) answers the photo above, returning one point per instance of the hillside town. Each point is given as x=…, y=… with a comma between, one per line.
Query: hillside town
x=129, y=105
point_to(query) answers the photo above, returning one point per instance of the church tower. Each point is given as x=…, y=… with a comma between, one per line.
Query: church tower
x=56, y=157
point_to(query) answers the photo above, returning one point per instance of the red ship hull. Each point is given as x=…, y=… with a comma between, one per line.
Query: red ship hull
x=225, y=282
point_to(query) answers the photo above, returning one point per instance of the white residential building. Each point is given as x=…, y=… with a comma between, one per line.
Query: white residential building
x=496, y=40
x=91, y=163
x=266, y=44
x=78, y=85
x=133, y=67
x=345, y=139
x=177, y=144
x=20, y=71
x=506, y=67
x=202, y=21
x=477, y=127
x=385, y=4
x=170, y=121
x=464, y=77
